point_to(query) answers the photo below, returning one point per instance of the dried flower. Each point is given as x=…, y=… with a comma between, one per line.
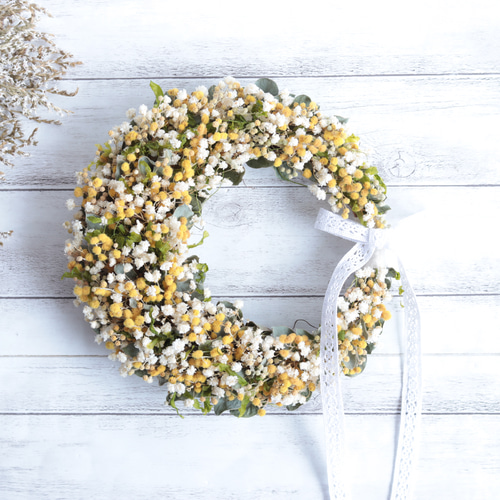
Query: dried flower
x=30, y=61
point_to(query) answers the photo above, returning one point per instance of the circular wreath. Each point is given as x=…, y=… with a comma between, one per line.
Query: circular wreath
x=144, y=293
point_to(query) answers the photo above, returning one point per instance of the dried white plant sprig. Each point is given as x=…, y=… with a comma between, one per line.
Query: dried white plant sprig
x=30, y=61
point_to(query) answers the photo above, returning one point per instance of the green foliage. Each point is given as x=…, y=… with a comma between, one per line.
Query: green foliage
x=301, y=331
x=268, y=85
x=246, y=409
x=307, y=393
x=94, y=219
x=173, y=405
x=225, y=368
x=341, y=119
x=260, y=162
x=287, y=173
x=392, y=273
x=381, y=182
x=74, y=273
x=131, y=350
x=225, y=405
x=120, y=269
x=93, y=222
x=197, y=203
x=303, y=99
x=234, y=176
x=383, y=209
x=278, y=331
x=355, y=361
x=158, y=92
x=161, y=249
x=183, y=211
x=236, y=313
x=146, y=167
x=205, y=407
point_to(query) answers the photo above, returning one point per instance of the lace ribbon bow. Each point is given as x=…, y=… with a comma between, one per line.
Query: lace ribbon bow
x=367, y=241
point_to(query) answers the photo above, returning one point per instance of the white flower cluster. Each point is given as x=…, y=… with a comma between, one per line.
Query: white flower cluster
x=362, y=312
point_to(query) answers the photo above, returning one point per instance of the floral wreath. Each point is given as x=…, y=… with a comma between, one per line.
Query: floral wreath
x=144, y=294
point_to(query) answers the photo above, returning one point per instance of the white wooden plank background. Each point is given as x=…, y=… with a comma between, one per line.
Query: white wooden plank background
x=421, y=85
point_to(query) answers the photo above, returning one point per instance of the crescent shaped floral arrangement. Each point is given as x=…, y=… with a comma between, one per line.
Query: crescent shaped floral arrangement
x=144, y=294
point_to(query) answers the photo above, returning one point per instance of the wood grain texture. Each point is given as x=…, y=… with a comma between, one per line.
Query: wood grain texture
x=276, y=252
x=92, y=385
x=157, y=39
x=278, y=457
x=55, y=327
x=421, y=130
x=420, y=83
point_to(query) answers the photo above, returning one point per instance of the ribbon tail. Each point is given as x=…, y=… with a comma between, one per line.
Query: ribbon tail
x=411, y=404
x=331, y=392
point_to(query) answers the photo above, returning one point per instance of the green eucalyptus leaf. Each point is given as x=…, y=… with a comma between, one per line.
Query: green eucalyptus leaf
x=211, y=91
x=118, y=172
x=392, y=273
x=383, y=209
x=184, y=286
x=183, y=211
x=302, y=332
x=131, y=350
x=370, y=347
x=119, y=269
x=224, y=404
x=341, y=119
x=260, y=162
x=355, y=361
x=233, y=176
x=237, y=314
x=268, y=85
x=246, y=410
x=94, y=222
x=303, y=99
x=281, y=330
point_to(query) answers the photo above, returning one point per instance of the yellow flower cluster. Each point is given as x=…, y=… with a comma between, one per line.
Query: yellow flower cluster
x=142, y=292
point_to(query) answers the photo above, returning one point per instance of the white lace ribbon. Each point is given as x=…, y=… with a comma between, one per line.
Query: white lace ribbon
x=367, y=241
